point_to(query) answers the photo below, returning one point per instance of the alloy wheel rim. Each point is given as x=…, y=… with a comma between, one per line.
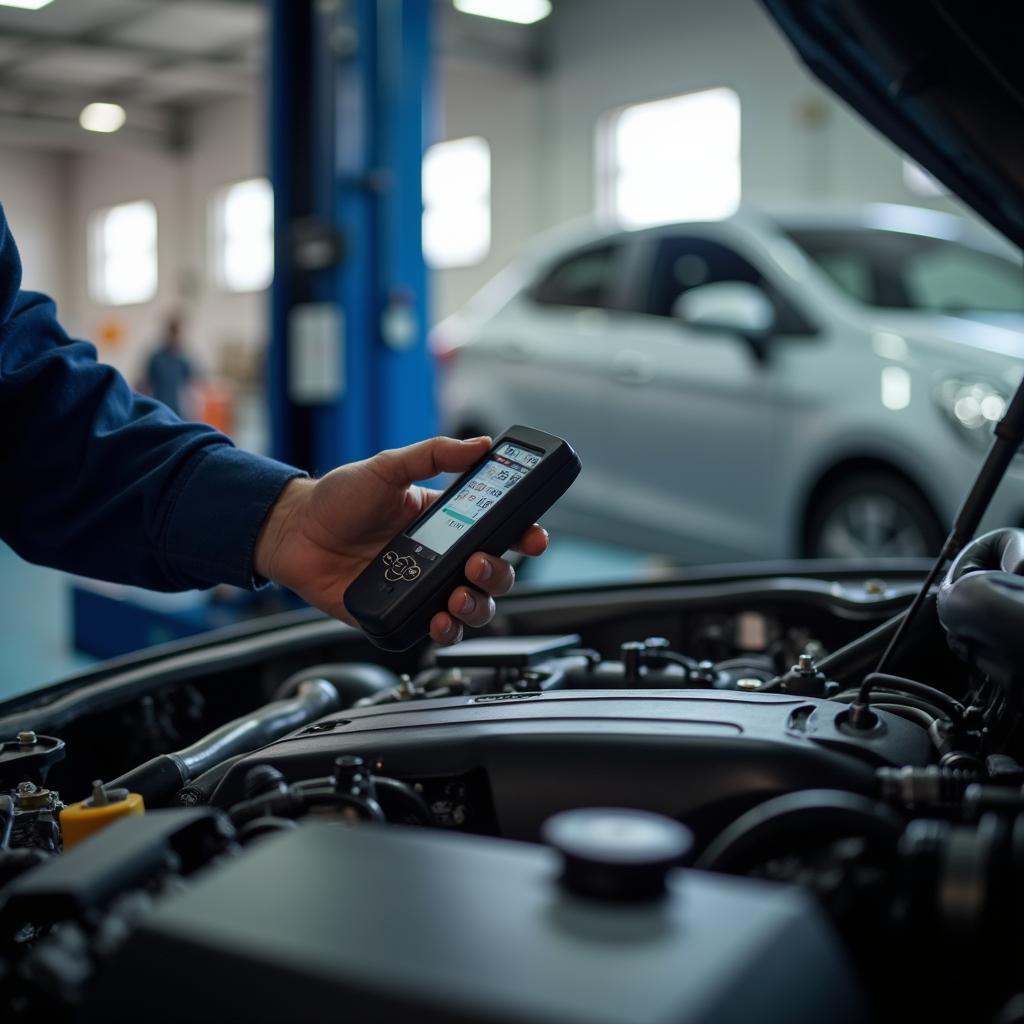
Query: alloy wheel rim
x=871, y=526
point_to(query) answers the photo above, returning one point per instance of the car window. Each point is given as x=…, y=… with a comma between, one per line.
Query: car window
x=899, y=270
x=683, y=263
x=953, y=278
x=584, y=279
x=850, y=272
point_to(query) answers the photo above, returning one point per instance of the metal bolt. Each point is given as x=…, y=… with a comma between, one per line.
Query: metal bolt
x=29, y=797
x=632, y=660
x=530, y=680
x=749, y=683
x=805, y=664
x=350, y=774
x=26, y=738
x=657, y=643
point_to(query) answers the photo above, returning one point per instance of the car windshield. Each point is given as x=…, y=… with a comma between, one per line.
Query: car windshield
x=899, y=270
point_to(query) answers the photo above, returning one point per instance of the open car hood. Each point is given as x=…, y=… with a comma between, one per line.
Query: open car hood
x=943, y=79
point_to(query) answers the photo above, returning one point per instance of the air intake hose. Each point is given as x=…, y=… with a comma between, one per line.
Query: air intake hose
x=160, y=778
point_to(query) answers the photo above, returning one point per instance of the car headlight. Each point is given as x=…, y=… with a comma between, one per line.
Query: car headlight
x=973, y=407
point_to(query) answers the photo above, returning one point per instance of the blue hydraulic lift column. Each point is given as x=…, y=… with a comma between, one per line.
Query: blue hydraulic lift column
x=349, y=371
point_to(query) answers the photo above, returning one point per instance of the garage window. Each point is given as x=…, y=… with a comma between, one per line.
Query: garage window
x=674, y=159
x=242, y=236
x=123, y=254
x=457, y=203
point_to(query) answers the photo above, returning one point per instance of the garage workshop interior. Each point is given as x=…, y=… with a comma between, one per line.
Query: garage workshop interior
x=727, y=295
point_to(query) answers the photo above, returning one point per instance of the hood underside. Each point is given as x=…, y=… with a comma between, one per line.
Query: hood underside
x=943, y=79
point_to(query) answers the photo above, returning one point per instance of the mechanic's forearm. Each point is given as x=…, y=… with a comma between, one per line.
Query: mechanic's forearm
x=279, y=522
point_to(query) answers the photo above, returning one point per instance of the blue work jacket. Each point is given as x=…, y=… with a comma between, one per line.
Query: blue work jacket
x=100, y=481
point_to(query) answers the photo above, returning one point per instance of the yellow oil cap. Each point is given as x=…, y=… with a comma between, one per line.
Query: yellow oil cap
x=105, y=806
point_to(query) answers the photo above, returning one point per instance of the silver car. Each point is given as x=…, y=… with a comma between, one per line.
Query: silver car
x=815, y=384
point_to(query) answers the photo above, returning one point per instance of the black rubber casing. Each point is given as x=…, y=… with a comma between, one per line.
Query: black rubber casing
x=398, y=593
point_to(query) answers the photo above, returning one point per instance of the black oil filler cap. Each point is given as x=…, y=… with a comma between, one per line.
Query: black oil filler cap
x=616, y=853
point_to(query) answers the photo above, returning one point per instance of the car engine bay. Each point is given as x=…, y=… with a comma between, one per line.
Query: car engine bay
x=651, y=802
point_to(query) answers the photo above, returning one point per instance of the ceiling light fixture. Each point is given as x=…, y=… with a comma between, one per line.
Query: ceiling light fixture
x=522, y=12
x=102, y=117
x=25, y=5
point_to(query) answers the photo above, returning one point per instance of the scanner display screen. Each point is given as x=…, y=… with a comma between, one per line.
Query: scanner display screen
x=450, y=519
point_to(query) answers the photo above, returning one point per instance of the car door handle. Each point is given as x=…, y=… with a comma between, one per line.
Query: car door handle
x=630, y=367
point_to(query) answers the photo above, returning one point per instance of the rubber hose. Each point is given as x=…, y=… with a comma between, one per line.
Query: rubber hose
x=909, y=714
x=199, y=791
x=950, y=705
x=353, y=681
x=895, y=697
x=161, y=777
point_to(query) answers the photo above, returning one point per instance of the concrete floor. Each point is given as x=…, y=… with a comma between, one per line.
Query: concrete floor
x=35, y=626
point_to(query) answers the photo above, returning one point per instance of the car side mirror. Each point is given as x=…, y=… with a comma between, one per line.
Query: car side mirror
x=729, y=307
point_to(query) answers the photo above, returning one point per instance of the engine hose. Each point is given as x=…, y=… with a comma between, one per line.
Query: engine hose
x=352, y=681
x=778, y=825
x=915, y=715
x=199, y=791
x=896, y=697
x=950, y=705
x=161, y=777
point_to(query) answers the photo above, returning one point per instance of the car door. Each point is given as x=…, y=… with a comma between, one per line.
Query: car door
x=697, y=449
x=553, y=363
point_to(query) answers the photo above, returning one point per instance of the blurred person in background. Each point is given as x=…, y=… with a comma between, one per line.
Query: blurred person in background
x=169, y=372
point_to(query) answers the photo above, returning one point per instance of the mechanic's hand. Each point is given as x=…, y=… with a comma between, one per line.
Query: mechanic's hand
x=321, y=534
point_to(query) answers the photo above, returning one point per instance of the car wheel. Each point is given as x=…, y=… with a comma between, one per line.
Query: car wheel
x=872, y=515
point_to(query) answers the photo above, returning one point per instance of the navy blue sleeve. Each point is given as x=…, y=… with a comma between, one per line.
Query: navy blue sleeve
x=100, y=481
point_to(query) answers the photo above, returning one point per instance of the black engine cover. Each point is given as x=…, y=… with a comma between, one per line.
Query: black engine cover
x=698, y=755
x=371, y=924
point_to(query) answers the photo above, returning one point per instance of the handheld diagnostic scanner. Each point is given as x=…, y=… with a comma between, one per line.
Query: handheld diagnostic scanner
x=487, y=509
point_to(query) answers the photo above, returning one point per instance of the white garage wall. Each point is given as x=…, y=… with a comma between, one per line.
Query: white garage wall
x=227, y=145
x=503, y=106
x=598, y=54
x=34, y=196
x=796, y=140
x=103, y=180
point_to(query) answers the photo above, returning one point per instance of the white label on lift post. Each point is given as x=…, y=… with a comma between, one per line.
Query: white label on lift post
x=316, y=353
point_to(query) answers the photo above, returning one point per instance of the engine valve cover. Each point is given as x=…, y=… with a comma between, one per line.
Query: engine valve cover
x=697, y=755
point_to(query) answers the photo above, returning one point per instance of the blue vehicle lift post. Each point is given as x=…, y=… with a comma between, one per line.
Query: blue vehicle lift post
x=348, y=371
x=350, y=96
